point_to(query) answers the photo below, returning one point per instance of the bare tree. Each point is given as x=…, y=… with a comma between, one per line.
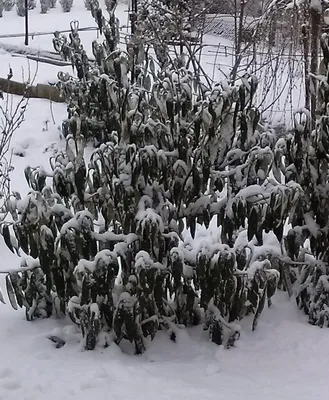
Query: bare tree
x=12, y=115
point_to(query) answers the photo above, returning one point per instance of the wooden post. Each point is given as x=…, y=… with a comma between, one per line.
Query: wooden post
x=306, y=51
x=315, y=15
x=133, y=17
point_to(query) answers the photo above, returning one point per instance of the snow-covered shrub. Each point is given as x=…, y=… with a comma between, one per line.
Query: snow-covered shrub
x=45, y=6
x=8, y=4
x=1, y=7
x=66, y=5
x=88, y=4
x=307, y=242
x=110, y=5
x=301, y=161
x=20, y=8
x=32, y=4
x=109, y=238
x=53, y=3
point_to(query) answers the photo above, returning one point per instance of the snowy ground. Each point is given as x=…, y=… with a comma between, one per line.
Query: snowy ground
x=284, y=359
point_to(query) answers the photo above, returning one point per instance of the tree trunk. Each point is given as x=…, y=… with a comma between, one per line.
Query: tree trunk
x=238, y=27
x=306, y=51
x=315, y=15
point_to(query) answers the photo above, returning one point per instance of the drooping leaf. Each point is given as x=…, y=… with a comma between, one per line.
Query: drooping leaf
x=11, y=293
x=147, y=82
x=34, y=252
x=2, y=300
x=22, y=237
x=59, y=281
x=252, y=223
x=85, y=292
x=7, y=239
x=27, y=173
x=192, y=226
x=278, y=232
x=14, y=278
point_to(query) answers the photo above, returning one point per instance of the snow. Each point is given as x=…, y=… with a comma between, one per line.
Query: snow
x=257, y=266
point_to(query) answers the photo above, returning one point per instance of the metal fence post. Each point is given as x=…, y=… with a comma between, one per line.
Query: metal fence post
x=26, y=23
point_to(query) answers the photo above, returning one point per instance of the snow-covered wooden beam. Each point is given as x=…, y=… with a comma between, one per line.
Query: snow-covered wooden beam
x=39, y=91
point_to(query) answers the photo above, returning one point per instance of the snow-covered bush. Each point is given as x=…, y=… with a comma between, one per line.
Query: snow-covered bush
x=110, y=5
x=32, y=4
x=53, y=3
x=20, y=8
x=307, y=241
x=8, y=4
x=1, y=7
x=45, y=6
x=108, y=240
x=66, y=5
x=88, y=4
